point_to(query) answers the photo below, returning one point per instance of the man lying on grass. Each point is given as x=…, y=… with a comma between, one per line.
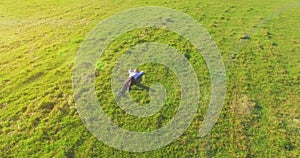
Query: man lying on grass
x=135, y=77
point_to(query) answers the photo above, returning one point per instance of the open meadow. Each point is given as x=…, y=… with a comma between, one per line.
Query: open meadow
x=259, y=42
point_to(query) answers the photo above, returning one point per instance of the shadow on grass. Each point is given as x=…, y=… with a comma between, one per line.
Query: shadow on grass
x=144, y=87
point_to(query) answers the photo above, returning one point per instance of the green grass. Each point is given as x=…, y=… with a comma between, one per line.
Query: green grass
x=38, y=45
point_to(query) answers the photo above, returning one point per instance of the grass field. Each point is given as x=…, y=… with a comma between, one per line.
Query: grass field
x=261, y=114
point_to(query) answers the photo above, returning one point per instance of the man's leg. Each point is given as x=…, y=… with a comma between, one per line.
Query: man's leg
x=132, y=82
x=126, y=86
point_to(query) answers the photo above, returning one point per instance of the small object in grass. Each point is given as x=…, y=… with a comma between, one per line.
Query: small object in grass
x=245, y=37
x=119, y=79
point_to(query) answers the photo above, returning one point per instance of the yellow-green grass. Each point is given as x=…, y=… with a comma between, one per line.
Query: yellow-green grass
x=260, y=117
